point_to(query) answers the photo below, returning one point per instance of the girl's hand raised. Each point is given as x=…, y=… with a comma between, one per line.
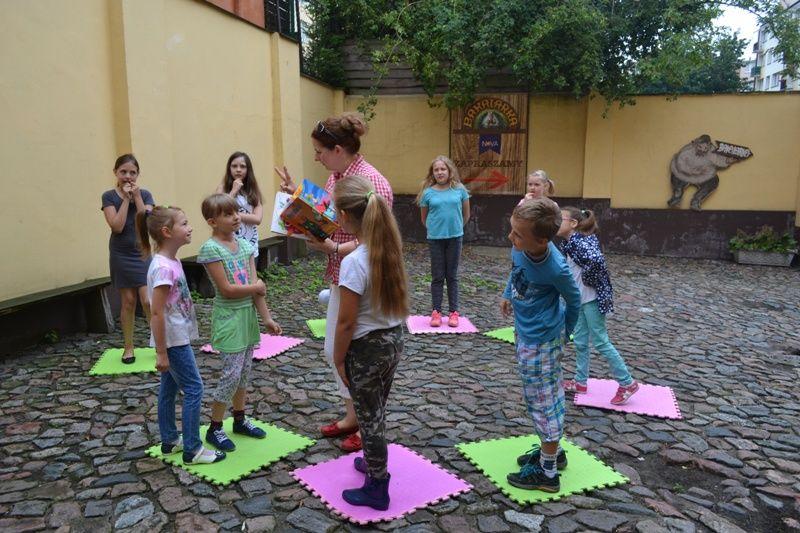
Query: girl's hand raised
x=135, y=191
x=236, y=186
x=287, y=183
x=127, y=190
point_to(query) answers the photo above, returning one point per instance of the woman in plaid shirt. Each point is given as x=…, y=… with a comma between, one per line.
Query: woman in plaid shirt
x=337, y=141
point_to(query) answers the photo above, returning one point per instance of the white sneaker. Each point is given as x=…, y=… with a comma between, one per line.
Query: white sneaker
x=175, y=447
x=204, y=456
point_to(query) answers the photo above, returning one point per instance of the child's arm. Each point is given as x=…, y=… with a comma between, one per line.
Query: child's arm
x=587, y=255
x=465, y=210
x=423, y=211
x=262, y=308
x=505, y=303
x=566, y=287
x=254, y=218
x=345, y=326
x=158, y=326
x=116, y=219
x=217, y=273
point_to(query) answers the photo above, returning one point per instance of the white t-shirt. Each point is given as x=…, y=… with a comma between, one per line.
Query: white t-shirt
x=248, y=232
x=354, y=275
x=180, y=320
x=588, y=294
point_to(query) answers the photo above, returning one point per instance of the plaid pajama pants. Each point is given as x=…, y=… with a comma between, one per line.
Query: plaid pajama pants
x=539, y=366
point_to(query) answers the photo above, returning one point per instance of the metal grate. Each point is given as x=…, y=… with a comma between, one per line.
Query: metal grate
x=283, y=17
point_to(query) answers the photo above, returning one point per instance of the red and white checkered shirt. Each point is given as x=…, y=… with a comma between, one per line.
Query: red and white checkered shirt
x=361, y=168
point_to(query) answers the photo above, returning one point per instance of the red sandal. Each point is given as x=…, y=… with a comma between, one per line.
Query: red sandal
x=351, y=443
x=334, y=430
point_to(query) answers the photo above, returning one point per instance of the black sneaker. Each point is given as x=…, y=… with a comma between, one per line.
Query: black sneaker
x=533, y=455
x=219, y=440
x=246, y=427
x=532, y=477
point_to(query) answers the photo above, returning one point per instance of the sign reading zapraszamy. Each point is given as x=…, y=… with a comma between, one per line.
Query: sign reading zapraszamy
x=489, y=143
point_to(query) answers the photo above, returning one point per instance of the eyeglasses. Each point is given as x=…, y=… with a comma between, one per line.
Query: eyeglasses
x=322, y=129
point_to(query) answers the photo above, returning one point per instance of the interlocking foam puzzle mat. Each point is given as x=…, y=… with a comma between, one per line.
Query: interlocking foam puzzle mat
x=497, y=458
x=110, y=363
x=250, y=454
x=503, y=334
x=317, y=327
x=418, y=324
x=272, y=345
x=650, y=400
x=207, y=348
x=416, y=483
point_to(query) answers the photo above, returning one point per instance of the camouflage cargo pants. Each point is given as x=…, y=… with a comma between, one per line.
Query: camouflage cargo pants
x=370, y=365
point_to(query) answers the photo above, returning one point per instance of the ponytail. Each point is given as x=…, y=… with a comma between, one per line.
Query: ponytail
x=149, y=224
x=587, y=222
x=356, y=196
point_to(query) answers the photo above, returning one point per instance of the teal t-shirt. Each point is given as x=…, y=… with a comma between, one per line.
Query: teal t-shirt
x=234, y=323
x=445, y=218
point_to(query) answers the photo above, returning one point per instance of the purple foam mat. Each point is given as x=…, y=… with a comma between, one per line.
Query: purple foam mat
x=651, y=400
x=422, y=324
x=416, y=483
x=272, y=345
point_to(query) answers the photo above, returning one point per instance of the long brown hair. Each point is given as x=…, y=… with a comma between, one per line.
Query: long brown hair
x=249, y=186
x=345, y=130
x=587, y=222
x=149, y=224
x=429, y=181
x=356, y=196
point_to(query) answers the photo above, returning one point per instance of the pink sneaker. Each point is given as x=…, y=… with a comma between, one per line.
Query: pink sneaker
x=570, y=385
x=452, y=321
x=436, y=319
x=624, y=394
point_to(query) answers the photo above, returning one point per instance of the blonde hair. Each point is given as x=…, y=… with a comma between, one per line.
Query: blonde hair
x=543, y=214
x=542, y=175
x=149, y=225
x=356, y=196
x=429, y=181
x=218, y=204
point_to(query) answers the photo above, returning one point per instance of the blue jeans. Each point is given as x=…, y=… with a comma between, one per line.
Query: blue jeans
x=592, y=326
x=182, y=375
x=445, y=254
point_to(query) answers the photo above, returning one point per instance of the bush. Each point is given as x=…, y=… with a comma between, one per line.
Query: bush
x=765, y=240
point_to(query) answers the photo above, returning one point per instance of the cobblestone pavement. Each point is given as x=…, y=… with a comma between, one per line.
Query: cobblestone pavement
x=725, y=337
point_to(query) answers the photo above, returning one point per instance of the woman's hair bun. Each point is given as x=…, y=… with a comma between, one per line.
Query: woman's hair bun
x=354, y=122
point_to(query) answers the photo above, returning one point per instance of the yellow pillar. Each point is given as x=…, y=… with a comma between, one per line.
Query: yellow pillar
x=287, y=113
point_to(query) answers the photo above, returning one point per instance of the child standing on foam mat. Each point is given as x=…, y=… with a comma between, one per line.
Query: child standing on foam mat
x=229, y=261
x=444, y=205
x=539, y=278
x=173, y=325
x=588, y=266
x=369, y=333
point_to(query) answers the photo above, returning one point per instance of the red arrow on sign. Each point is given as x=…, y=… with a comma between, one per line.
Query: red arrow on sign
x=494, y=180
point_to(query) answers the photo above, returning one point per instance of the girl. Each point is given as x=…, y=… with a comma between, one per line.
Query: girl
x=588, y=266
x=444, y=204
x=128, y=269
x=173, y=327
x=240, y=184
x=539, y=186
x=337, y=141
x=369, y=333
x=239, y=294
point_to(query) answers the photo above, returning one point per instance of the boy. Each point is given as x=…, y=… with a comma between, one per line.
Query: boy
x=539, y=278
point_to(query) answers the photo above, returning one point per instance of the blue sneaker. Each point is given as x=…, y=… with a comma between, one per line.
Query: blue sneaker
x=219, y=440
x=532, y=477
x=246, y=427
x=174, y=447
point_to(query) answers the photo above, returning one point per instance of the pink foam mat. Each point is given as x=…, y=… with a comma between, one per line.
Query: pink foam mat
x=651, y=400
x=272, y=345
x=416, y=483
x=422, y=324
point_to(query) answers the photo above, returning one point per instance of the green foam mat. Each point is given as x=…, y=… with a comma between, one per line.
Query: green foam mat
x=110, y=363
x=503, y=334
x=497, y=458
x=250, y=454
x=317, y=327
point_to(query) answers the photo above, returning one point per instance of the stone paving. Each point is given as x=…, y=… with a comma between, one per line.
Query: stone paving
x=725, y=337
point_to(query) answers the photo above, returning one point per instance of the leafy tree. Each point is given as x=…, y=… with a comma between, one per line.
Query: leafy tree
x=614, y=48
x=721, y=75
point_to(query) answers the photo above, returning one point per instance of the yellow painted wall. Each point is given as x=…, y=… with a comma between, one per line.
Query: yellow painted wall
x=318, y=102
x=57, y=143
x=645, y=137
x=404, y=137
x=556, y=140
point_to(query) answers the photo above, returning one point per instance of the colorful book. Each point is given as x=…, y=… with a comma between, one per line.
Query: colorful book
x=307, y=213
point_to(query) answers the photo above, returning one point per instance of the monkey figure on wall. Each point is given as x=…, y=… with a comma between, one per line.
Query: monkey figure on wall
x=697, y=163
